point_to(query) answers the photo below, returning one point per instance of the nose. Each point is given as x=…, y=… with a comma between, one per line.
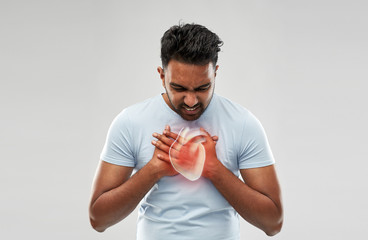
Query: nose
x=190, y=99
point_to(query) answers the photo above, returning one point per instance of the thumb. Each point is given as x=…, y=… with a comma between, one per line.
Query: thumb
x=205, y=132
x=197, y=139
x=207, y=135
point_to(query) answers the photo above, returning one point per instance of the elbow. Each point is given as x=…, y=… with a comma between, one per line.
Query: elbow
x=275, y=225
x=96, y=222
x=96, y=226
x=272, y=231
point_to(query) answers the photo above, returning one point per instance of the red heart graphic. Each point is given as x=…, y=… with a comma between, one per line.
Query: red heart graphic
x=187, y=154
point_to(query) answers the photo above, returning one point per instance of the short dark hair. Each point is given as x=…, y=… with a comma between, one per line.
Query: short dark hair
x=190, y=43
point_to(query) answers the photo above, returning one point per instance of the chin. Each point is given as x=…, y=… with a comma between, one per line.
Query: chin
x=191, y=117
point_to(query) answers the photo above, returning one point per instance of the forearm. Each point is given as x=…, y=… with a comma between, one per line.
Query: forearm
x=116, y=204
x=255, y=207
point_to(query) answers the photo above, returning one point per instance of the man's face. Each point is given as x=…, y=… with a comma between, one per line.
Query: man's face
x=189, y=88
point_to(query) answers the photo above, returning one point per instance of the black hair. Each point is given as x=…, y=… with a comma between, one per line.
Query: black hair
x=190, y=43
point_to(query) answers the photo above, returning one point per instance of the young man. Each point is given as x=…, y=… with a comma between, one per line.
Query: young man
x=234, y=142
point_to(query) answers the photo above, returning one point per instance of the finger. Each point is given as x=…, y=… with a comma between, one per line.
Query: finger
x=206, y=135
x=175, y=136
x=163, y=157
x=168, y=141
x=172, y=150
x=163, y=139
x=160, y=145
x=197, y=139
x=179, y=141
x=205, y=132
x=215, y=138
x=173, y=153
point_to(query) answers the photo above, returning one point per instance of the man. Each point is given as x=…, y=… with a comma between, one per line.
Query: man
x=140, y=139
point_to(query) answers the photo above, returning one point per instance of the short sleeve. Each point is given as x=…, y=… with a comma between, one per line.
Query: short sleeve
x=118, y=148
x=254, y=149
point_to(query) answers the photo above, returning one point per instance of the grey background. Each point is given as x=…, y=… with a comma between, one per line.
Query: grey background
x=69, y=67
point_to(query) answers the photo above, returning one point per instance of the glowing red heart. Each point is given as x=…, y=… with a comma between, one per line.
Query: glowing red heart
x=187, y=154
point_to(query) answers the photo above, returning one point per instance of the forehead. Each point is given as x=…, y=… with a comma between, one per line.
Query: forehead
x=189, y=74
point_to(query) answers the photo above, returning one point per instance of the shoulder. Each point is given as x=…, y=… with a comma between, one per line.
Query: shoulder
x=138, y=110
x=232, y=109
x=143, y=106
x=237, y=118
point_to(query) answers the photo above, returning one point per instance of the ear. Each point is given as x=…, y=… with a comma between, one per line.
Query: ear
x=161, y=72
x=217, y=66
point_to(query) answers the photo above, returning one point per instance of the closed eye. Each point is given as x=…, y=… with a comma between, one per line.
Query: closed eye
x=204, y=87
x=178, y=89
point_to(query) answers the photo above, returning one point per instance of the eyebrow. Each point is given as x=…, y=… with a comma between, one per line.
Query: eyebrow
x=197, y=88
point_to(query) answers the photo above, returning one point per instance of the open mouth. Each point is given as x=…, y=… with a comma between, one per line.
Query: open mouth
x=191, y=110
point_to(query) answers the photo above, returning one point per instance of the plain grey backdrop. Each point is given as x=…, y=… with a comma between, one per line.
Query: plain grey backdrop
x=69, y=67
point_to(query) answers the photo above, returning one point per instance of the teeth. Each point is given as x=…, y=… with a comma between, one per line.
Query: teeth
x=191, y=109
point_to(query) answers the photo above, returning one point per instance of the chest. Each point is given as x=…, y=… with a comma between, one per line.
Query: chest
x=226, y=147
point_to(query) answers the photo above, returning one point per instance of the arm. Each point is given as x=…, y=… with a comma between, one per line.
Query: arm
x=115, y=194
x=257, y=200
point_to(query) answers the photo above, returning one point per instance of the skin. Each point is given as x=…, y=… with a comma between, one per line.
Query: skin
x=116, y=193
x=188, y=86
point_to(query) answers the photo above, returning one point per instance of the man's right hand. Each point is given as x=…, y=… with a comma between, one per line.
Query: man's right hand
x=161, y=162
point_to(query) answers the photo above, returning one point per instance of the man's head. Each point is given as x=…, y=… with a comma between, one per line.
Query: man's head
x=190, y=43
x=189, y=55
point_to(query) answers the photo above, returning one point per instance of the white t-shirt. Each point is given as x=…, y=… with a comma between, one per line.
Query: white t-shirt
x=176, y=208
